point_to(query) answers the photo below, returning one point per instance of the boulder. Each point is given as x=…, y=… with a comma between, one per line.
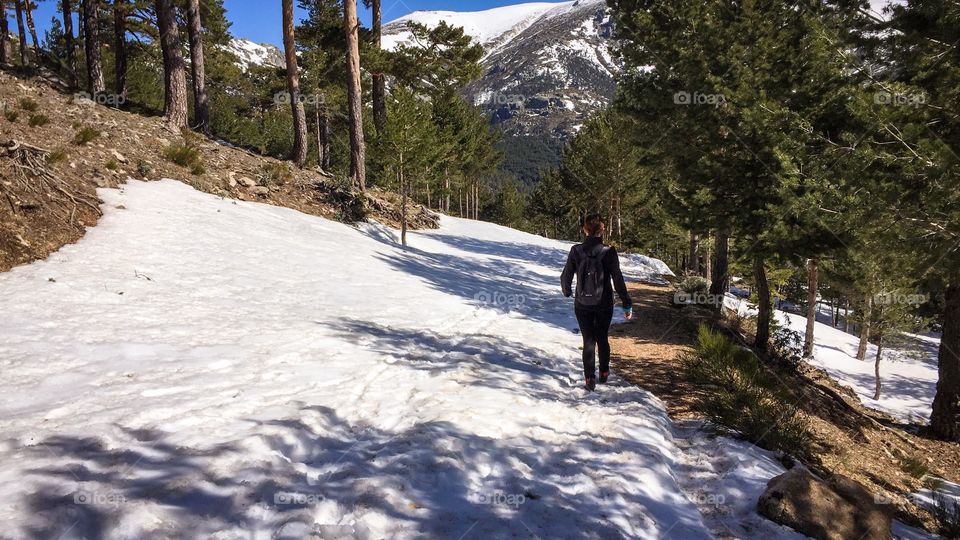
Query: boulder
x=259, y=190
x=838, y=509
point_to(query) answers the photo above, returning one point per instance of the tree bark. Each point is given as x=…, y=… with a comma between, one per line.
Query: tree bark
x=379, y=80
x=299, y=156
x=201, y=102
x=813, y=275
x=867, y=315
x=325, y=133
x=319, y=135
x=358, y=170
x=22, y=34
x=91, y=42
x=403, y=204
x=5, y=50
x=693, y=260
x=175, y=79
x=876, y=367
x=945, y=419
x=721, y=270
x=28, y=9
x=69, y=41
x=762, y=342
x=846, y=315
x=120, y=46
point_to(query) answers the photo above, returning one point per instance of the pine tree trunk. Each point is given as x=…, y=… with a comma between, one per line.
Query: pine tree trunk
x=945, y=419
x=201, y=102
x=720, y=283
x=22, y=34
x=813, y=275
x=5, y=51
x=69, y=41
x=358, y=171
x=175, y=77
x=708, y=262
x=379, y=80
x=876, y=366
x=403, y=204
x=120, y=46
x=299, y=156
x=763, y=297
x=91, y=43
x=325, y=131
x=846, y=315
x=28, y=9
x=865, y=328
x=319, y=135
x=446, y=188
x=693, y=260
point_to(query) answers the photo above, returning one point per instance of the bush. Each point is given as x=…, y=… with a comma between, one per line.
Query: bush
x=694, y=285
x=743, y=396
x=274, y=174
x=10, y=114
x=29, y=105
x=85, y=135
x=914, y=467
x=186, y=153
x=56, y=156
x=788, y=347
x=38, y=120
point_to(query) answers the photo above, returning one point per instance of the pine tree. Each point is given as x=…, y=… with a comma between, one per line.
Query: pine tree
x=351, y=27
x=120, y=13
x=5, y=51
x=197, y=67
x=91, y=38
x=22, y=34
x=299, y=156
x=175, y=80
x=66, y=9
x=28, y=11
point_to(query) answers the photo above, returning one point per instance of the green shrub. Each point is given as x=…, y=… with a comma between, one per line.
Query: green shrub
x=694, y=285
x=29, y=105
x=56, y=156
x=186, y=153
x=914, y=467
x=144, y=169
x=742, y=396
x=274, y=174
x=85, y=135
x=38, y=120
x=10, y=114
x=113, y=165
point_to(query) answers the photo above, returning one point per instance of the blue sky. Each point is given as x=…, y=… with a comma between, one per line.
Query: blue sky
x=259, y=20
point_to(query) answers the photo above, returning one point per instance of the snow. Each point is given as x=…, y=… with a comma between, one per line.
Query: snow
x=492, y=28
x=203, y=367
x=909, y=376
x=255, y=54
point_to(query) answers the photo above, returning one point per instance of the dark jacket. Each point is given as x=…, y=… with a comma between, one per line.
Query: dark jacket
x=611, y=265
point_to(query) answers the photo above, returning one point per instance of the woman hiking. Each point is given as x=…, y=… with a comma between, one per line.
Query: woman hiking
x=597, y=268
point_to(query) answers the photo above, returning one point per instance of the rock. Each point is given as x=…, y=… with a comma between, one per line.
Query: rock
x=835, y=510
x=119, y=157
x=259, y=190
x=246, y=182
x=232, y=182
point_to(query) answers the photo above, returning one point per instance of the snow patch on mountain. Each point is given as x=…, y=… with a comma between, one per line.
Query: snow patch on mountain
x=255, y=54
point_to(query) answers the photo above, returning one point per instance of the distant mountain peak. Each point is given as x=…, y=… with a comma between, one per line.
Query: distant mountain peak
x=251, y=54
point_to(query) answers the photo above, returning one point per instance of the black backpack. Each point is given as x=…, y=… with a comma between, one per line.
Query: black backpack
x=591, y=276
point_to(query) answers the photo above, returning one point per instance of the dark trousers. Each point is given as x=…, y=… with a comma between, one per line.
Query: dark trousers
x=595, y=327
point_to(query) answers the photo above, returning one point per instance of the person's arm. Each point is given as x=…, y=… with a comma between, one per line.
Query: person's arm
x=618, y=283
x=566, y=278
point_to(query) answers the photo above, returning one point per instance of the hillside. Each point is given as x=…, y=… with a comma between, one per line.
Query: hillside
x=49, y=198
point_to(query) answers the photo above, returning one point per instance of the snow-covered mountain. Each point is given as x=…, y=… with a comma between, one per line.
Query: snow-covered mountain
x=256, y=54
x=547, y=65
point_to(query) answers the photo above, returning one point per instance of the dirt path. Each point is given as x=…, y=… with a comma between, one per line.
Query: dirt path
x=849, y=439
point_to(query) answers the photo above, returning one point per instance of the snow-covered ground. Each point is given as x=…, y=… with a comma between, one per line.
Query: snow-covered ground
x=908, y=374
x=197, y=367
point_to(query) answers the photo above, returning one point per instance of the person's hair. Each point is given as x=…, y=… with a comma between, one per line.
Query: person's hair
x=592, y=224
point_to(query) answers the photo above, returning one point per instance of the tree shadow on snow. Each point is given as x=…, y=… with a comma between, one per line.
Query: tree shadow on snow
x=431, y=480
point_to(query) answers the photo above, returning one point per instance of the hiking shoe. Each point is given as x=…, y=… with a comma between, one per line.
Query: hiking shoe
x=591, y=384
x=604, y=375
